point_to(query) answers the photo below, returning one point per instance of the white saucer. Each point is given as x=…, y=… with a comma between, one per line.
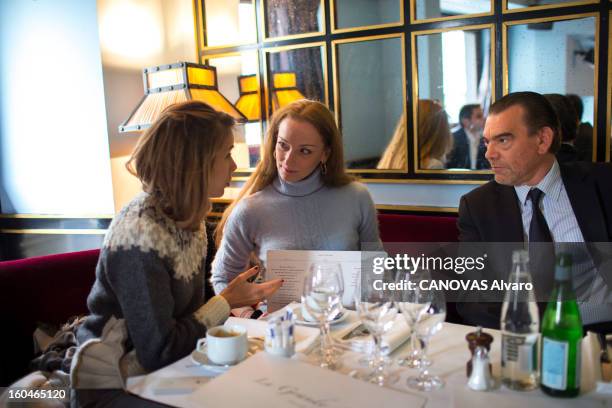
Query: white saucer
x=300, y=320
x=199, y=357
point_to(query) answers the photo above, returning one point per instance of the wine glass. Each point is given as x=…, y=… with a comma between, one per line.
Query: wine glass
x=322, y=299
x=376, y=309
x=429, y=322
x=412, y=302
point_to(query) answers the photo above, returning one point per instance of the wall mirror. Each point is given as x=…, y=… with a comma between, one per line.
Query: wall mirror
x=347, y=14
x=293, y=18
x=239, y=83
x=229, y=22
x=444, y=9
x=376, y=140
x=557, y=57
x=295, y=73
x=452, y=78
x=523, y=4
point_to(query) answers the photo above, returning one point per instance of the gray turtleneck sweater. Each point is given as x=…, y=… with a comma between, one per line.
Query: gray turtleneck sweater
x=305, y=215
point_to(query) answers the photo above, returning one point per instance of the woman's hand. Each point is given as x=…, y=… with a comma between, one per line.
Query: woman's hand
x=240, y=292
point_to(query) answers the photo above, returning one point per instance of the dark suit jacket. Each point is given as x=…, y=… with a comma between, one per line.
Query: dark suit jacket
x=567, y=153
x=460, y=155
x=491, y=213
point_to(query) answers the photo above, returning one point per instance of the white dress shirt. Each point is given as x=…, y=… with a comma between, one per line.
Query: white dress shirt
x=474, y=142
x=563, y=225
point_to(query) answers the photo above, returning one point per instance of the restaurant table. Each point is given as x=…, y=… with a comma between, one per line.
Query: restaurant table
x=448, y=350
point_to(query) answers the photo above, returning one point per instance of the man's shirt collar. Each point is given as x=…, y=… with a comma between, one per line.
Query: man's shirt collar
x=550, y=185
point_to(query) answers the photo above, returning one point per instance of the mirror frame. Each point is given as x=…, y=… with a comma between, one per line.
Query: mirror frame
x=264, y=25
x=337, y=102
x=207, y=59
x=506, y=85
x=498, y=17
x=276, y=50
x=415, y=20
x=198, y=7
x=415, y=93
x=506, y=10
x=336, y=30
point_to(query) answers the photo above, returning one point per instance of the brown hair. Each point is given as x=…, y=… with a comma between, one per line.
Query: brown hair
x=266, y=172
x=538, y=113
x=435, y=139
x=174, y=158
x=568, y=125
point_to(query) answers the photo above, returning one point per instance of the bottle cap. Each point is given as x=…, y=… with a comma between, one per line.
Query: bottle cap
x=564, y=266
x=520, y=255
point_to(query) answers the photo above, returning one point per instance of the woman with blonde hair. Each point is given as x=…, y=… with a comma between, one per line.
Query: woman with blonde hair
x=395, y=154
x=147, y=305
x=435, y=138
x=299, y=196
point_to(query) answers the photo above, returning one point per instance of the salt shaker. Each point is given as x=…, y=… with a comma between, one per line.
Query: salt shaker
x=480, y=378
x=476, y=339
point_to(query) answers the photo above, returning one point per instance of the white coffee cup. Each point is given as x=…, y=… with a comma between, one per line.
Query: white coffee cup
x=225, y=344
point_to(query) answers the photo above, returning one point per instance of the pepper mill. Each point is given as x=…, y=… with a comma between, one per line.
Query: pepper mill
x=476, y=339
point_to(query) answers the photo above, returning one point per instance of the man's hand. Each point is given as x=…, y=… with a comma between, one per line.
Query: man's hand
x=240, y=292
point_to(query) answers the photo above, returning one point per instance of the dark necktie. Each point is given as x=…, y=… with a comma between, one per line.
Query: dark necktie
x=541, y=249
x=538, y=229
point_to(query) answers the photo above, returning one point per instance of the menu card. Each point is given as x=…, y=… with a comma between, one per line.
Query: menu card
x=292, y=266
x=269, y=381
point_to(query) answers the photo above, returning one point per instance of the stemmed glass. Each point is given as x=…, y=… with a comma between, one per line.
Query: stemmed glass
x=322, y=299
x=412, y=302
x=429, y=323
x=376, y=309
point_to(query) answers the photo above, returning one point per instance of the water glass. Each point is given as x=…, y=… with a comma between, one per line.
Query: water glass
x=429, y=322
x=322, y=299
x=412, y=303
x=377, y=311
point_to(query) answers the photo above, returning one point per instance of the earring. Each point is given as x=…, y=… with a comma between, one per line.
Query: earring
x=323, y=168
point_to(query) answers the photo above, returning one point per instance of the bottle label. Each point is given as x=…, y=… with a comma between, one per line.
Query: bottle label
x=554, y=363
x=520, y=350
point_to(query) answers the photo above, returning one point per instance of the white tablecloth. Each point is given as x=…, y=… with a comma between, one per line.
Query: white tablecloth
x=449, y=352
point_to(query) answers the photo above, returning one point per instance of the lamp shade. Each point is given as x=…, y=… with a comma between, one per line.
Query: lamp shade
x=248, y=103
x=284, y=89
x=166, y=85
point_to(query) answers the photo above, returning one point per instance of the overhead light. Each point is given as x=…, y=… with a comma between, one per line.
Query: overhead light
x=165, y=85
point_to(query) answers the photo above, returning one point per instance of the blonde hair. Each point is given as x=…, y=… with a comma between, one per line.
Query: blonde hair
x=174, y=158
x=435, y=138
x=266, y=172
x=395, y=155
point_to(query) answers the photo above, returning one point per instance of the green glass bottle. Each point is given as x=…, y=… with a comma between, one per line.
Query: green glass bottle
x=561, y=336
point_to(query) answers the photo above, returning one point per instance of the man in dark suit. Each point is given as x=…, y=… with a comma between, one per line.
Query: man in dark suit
x=584, y=135
x=572, y=202
x=468, y=147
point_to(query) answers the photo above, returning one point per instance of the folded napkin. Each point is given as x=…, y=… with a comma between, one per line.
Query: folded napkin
x=355, y=338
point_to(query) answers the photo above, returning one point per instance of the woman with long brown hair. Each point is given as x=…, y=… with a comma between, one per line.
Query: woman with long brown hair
x=299, y=196
x=435, y=137
x=147, y=305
